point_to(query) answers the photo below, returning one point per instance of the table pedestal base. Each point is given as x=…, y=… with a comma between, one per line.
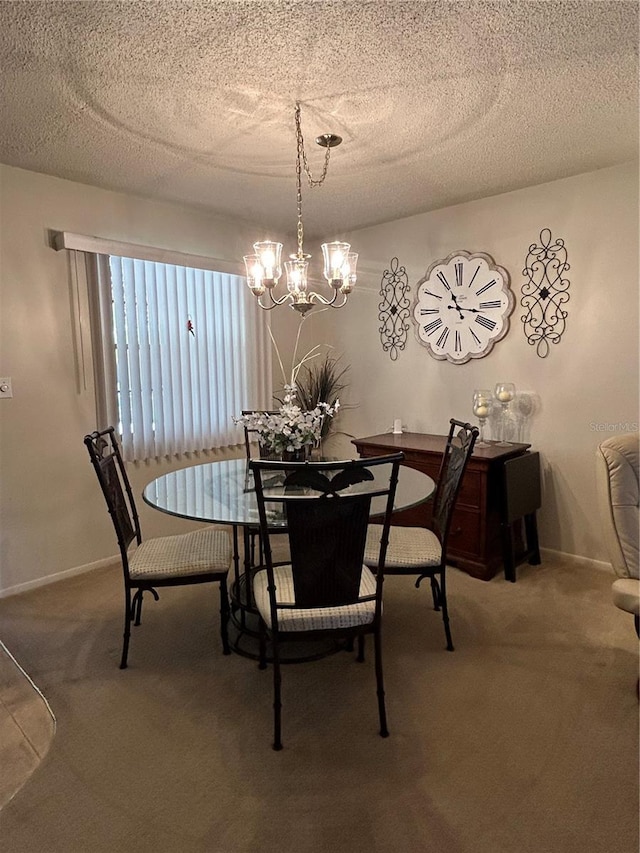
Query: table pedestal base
x=244, y=639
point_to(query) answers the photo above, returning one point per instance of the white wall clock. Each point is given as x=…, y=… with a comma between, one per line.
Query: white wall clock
x=462, y=306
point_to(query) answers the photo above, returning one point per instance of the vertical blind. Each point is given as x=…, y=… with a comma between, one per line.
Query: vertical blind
x=191, y=351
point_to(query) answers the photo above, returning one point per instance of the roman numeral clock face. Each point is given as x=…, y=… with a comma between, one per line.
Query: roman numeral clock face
x=462, y=307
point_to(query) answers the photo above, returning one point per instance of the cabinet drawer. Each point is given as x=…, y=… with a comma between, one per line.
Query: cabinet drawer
x=471, y=489
x=429, y=463
x=465, y=534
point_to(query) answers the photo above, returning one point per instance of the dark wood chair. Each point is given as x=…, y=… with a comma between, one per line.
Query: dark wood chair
x=251, y=436
x=251, y=444
x=422, y=552
x=203, y=556
x=324, y=589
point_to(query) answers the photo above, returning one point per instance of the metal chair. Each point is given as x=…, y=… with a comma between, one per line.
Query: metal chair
x=203, y=556
x=422, y=552
x=323, y=589
x=249, y=432
x=252, y=532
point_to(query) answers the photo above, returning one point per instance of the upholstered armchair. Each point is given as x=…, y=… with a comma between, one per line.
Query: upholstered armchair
x=618, y=492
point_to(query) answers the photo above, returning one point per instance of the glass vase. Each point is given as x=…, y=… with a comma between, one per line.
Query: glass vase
x=482, y=403
x=504, y=393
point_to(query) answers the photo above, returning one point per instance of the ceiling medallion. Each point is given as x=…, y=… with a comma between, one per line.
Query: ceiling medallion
x=264, y=267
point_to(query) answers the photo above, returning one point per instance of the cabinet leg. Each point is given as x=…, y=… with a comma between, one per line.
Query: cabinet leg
x=531, y=531
x=507, y=553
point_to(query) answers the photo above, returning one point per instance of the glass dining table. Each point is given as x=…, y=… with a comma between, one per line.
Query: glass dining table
x=223, y=492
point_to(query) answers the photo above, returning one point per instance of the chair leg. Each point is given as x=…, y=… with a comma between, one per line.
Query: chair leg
x=445, y=609
x=435, y=589
x=137, y=607
x=263, y=646
x=382, y=711
x=128, y=616
x=435, y=592
x=277, y=703
x=137, y=603
x=224, y=616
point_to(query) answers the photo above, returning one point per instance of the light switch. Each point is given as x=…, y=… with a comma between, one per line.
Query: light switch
x=6, y=391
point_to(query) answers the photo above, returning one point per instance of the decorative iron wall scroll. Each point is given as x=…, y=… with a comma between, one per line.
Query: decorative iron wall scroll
x=394, y=309
x=545, y=292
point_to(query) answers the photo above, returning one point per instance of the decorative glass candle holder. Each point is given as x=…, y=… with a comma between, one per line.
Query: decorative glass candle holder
x=505, y=392
x=482, y=402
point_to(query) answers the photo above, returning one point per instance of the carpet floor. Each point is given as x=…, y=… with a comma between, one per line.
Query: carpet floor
x=524, y=740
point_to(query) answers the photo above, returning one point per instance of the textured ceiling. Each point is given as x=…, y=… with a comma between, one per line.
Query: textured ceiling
x=438, y=103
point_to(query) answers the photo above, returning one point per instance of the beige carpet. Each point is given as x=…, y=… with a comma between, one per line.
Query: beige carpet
x=524, y=740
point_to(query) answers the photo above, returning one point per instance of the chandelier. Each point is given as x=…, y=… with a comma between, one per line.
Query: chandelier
x=264, y=266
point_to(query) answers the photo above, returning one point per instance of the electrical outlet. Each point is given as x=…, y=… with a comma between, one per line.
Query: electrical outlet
x=6, y=391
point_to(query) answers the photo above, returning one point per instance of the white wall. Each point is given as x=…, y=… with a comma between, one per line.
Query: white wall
x=590, y=377
x=52, y=518
x=52, y=515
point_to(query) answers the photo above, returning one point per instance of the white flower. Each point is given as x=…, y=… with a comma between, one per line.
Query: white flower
x=291, y=428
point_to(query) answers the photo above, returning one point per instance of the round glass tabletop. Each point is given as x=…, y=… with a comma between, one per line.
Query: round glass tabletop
x=224, y=493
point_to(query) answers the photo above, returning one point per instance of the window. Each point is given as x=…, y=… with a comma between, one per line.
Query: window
x=184, y=350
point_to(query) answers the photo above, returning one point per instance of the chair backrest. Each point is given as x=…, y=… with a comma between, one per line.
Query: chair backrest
x=106, y=459
x=618, y=495
x=458, y=450
x=327, y=508
x=252, y=435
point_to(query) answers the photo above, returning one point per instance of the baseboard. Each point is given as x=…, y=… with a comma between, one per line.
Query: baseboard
x=59, y=576
x=586, y=562
x=109, y=561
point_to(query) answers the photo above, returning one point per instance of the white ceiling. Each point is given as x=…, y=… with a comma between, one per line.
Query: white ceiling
x=437, y=102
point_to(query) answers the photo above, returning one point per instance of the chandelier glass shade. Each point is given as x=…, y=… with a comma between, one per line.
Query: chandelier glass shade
x=264, y=264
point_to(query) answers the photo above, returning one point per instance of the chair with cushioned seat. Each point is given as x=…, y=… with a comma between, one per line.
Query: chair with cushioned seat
x=323, y=589
x=203, y=556
x=619, y=500
x=418, y=550
x=252, y=532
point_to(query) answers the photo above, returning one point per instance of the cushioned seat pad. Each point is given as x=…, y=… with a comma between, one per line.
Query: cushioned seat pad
x=312, y=618
x=196, y=553
x=409, y=548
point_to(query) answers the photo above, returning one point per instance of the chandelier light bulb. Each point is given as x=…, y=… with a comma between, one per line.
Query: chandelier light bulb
x=297, y=271
x=349, y=273
x=270, y=254
x=254, y=274
x=335, y=256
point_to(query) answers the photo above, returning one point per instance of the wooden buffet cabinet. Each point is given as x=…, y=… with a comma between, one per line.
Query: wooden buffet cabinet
x=475, y=539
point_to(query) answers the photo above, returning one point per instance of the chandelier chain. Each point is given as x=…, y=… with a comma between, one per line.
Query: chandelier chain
x=264, y=264
x=301, y=162
x=302, y=155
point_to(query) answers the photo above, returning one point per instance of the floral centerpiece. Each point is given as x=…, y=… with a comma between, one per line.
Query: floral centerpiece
x=293, y=431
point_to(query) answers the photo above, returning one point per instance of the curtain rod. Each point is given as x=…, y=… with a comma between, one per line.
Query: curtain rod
x=100, y=246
